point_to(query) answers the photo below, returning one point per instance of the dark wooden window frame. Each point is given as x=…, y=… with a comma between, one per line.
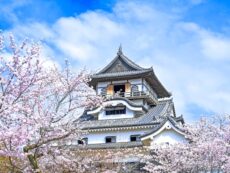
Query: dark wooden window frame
x=110, y=139
x=115, y=110
x=134, y=138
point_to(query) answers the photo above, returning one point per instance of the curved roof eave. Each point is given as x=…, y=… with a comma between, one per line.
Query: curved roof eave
x=131, y=105
x=162, y=92
x=159, y=128
x=152, y=117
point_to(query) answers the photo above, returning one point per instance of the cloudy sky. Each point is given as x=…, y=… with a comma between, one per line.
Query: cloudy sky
x=186, y=41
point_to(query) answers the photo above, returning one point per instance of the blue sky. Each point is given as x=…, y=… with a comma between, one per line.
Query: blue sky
x=186, y=41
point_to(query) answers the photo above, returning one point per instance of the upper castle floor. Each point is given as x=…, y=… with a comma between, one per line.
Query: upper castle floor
x=124, y=78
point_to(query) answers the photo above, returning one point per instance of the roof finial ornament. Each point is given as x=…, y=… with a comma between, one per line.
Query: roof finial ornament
x=119, y=52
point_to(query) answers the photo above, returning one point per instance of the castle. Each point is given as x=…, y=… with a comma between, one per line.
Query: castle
x=137, y=110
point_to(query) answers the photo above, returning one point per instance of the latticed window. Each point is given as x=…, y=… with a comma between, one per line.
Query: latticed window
x=82, y=141
x=103, y=91
x=134, y=88
x=115, y=110
x=134, y=138
x=110, y=139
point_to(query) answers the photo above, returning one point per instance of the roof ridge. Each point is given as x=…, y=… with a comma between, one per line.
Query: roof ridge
x=146, y=69
x=167, y=106
x=125, y=59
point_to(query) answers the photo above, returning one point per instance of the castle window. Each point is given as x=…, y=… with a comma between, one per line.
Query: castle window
x=134, y=88
x=115, y=110
x=82, y=141
x=110, y=139
x=134, y=138
x=119, y=90
x=103, y=91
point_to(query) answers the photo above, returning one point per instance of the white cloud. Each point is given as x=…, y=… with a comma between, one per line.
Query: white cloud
x=189, y=60
x=81, y=37
x=216, y=48
x=35, y=31
x=8, y=10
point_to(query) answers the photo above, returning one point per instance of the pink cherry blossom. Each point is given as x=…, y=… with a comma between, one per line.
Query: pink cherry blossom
x=39, y=108
x=207, y=149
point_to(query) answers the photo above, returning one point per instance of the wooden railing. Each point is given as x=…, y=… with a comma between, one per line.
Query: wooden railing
x=136, y=94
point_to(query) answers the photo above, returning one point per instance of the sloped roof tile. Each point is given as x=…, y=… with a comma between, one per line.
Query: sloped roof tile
x=149, y=118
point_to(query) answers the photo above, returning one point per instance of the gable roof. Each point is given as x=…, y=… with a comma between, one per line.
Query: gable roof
x=152, y=117
x=160, y=126
x=122, y=60
x=100, y=146
x=122, y=68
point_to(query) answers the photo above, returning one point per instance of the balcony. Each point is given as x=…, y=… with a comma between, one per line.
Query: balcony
x=150, y=98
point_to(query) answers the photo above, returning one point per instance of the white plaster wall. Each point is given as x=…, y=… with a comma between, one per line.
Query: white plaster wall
x=146, y=106
x=103, y=116
x=135, y=81
x=99, y=90
x=102, y=84
x=168, y=136
x=129, y=110
x=139, y=101
x=119, y=81
x=132, y=81
x=147, y=87
x=121, y=136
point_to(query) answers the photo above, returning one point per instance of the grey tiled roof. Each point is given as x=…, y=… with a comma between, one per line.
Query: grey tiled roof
x=123, y=73
x=116, y=145
x=125, y=59
x=179, y=119
x=129, y=70
x=164, y=120
x=152, y=117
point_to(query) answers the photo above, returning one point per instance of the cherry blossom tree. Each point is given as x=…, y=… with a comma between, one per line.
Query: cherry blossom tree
x=39, y=109
x=207, y=149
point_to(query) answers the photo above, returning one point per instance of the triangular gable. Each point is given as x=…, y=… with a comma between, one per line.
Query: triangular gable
x=119, y=66
x=120, y=63
x=166, y=125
